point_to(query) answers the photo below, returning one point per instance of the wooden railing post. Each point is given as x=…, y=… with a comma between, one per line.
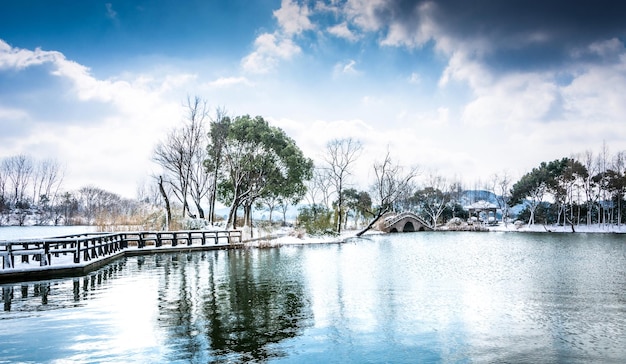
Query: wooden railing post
x=77, y=252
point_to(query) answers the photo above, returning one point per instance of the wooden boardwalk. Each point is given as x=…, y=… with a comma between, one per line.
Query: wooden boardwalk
x=30, y=259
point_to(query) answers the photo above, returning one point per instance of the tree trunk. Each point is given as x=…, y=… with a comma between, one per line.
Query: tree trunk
x=339, y=209
x=200, y=210
x=168, y=212
x=232, y=214
x=213, y=196
x=374, y=220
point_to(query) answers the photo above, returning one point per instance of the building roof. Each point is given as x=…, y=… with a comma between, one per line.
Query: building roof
x=482, y=205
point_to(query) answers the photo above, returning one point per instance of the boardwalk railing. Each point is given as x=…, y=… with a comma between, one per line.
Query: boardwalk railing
x=76, y=249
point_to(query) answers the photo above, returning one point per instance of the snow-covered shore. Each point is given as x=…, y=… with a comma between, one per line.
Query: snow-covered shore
x=263, y=238
x=290, y=237
x=595, y=228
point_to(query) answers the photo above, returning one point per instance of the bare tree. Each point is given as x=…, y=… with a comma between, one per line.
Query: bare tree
x=3, y=181
x=196, y=143
x=434, y=197
x=602, y=184
x=18, y=171
x=88, y=200
x=340, y=157
x=148, y=192
x=587, y=160
x=619, y=168
x=4, y=198
x=181, y=155
x=66, y=207
x=47, y=178
x=456, y=192
x=319, y=188
x=166, y=201
x=215, y=150
x=392, y=184
x=170, y=154
x=501, y=188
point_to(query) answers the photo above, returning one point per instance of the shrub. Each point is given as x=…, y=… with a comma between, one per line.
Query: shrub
x=316, y=220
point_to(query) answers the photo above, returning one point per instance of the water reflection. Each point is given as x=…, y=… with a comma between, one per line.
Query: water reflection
x=233, y=305
x=54, y=294
x=428, y=297
x=222, y=305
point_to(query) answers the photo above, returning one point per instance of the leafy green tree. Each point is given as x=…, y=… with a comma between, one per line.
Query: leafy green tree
x=364, y=205
x=351, y=200
x=357, y=204
x=453, y=210
x=564, y=175
x=617, y=188
x=66, y=209
x=217, y=142
x=260, y=160
x=431, y=203
x=557, y=178
x=531, y=190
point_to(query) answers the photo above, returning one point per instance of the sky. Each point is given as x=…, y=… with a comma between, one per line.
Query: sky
x=464, y=89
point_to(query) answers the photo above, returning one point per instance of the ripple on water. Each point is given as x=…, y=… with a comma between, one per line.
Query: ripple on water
x=431, y=297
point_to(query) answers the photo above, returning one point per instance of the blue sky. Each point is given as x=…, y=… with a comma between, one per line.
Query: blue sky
x=463, y=88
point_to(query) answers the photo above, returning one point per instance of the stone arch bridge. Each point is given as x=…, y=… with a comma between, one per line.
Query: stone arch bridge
x=404, y=223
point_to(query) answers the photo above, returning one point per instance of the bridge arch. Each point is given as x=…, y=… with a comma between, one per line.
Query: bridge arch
x=405, y=222
x=408, y=227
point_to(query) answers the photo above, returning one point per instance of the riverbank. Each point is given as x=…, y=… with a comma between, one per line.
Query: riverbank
x=595, y=228
x=264, y=238
x=292, y=237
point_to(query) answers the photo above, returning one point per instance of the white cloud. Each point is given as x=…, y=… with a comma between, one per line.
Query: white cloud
x=597, y=95
x=512, y=99
x=464, y=69
x=112, y=150
x=7, y=113
x=424, y=30
x=269, y=50
x=110, y=12
x=363, y=13
x=414, y=78
x=607, y=48
x=292, y=18
x=230, y=81
x=172, y=82
x=342, y=31
x=16, y=58
x=409, y=145
x=345, y=68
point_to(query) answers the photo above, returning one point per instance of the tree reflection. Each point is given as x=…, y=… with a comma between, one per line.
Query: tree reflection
x=232, y=305
x=58, y=293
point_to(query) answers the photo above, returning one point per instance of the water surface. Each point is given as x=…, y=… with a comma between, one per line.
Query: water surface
x=421, y=297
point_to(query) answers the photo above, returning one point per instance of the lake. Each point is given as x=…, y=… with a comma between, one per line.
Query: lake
x=425, y=297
